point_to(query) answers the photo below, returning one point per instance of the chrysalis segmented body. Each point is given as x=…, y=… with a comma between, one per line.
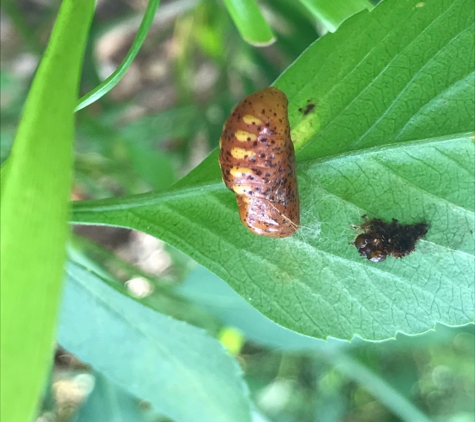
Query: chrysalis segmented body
x=257, y=160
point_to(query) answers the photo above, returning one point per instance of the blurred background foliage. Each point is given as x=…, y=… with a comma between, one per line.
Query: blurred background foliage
x=159, y=122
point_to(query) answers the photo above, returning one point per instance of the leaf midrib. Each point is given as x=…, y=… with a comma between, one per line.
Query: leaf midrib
x=153, y=199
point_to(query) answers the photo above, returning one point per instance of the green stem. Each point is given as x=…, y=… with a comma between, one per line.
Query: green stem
x=116, y=76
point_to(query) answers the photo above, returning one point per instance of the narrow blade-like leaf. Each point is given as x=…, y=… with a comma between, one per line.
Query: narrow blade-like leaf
x=249, y=20
x=35, y=210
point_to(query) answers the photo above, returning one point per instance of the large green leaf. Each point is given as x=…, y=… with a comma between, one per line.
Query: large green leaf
x=184, y=373
x=36, y=184
x=390, y=136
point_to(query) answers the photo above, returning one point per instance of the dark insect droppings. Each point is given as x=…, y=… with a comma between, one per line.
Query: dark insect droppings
x=380, y=239
x=307, y=109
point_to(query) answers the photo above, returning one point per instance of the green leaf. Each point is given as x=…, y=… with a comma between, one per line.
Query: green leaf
x=249, y=20
x=184, y=373
x=102, y=89
x=35, y=210
x=212, y=294
x=332, y=13
x=390, y=136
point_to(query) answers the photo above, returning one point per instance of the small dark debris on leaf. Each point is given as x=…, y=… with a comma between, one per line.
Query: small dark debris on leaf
x=380, y=239
x=307, y=109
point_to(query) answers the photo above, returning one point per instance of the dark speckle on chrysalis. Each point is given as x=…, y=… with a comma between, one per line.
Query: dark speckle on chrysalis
x=257, y=162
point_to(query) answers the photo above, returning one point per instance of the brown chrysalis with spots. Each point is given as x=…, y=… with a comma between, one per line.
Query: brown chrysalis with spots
x=257, y=160
x=380, y=239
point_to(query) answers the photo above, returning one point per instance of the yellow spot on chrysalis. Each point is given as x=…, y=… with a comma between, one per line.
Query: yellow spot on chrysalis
x=249, y=119
x=220, y=142
x=237, y=171
x=243, y=136
x=241, y=189
x=241, y=153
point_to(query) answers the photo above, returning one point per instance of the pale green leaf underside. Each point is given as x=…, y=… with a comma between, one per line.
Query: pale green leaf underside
x=391, y=137
x=184, y=373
